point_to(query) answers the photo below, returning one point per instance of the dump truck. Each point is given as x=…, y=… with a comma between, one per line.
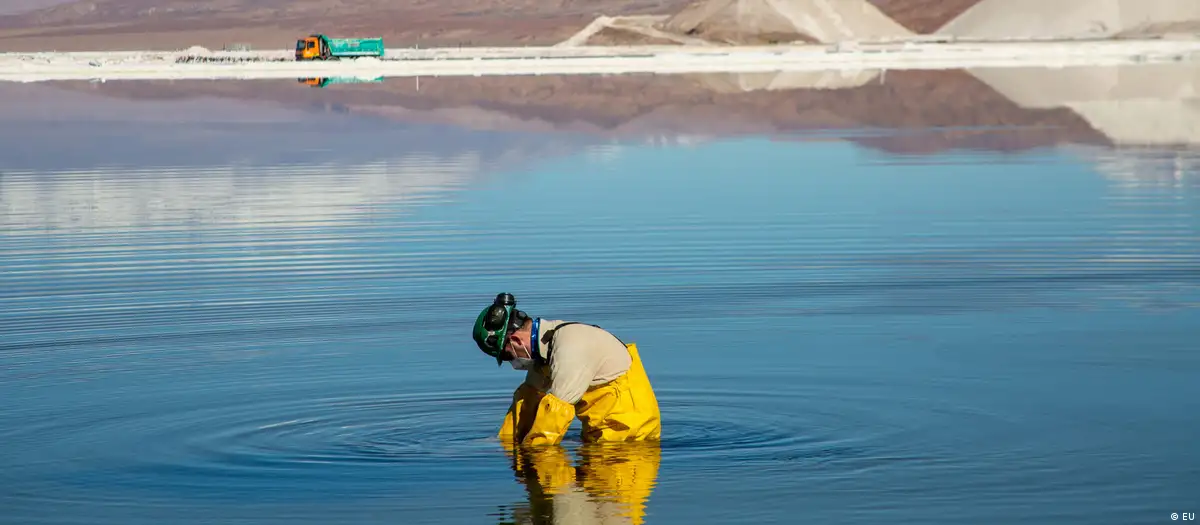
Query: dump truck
x=321, y=47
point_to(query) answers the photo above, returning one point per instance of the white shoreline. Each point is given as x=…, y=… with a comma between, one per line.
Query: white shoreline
x=917, y=54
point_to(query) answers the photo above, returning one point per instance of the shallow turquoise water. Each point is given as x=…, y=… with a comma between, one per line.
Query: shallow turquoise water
x=224, y=328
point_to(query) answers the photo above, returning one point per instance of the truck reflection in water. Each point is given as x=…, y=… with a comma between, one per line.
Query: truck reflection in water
x=325, y=81
x=611, y=483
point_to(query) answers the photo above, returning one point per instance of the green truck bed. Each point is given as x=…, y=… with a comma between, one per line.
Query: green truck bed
x=326, y=81
x=354, y=47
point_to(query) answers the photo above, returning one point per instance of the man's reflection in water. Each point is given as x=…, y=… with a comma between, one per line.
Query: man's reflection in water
x=611, y=483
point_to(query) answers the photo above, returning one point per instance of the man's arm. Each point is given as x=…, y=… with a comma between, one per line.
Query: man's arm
x=521, y=413
x=524, y=405
x=536, y=417
x=550, y=422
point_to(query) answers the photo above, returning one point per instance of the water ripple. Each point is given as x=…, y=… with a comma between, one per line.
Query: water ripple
x=293, y=437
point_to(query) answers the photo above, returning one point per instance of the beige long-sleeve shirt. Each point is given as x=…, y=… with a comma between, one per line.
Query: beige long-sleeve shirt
x=582, y=356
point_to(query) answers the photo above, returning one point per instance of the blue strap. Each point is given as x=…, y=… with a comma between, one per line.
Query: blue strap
x=533, y=339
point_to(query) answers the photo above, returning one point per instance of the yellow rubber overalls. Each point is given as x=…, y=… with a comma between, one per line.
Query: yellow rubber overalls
x=623, y=409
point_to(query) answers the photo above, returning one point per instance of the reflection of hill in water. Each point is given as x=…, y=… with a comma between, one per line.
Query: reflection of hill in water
x=1035, y=107
x=298, y=195
x=148, y=163
x=309, y=194
x=1152, y=104
x=392, y=155
x=1135, y=105
x=635, y=105
x=183, y=129
x=788, y=80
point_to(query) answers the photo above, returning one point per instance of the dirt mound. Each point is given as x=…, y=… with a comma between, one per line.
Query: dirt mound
x=1007, y=19
x=747, y=21
x=615, y=36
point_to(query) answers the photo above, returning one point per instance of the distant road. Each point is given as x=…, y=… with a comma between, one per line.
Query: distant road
x=203, y=64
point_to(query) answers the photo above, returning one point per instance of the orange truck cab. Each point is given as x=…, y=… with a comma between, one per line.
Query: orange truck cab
x=310, y=48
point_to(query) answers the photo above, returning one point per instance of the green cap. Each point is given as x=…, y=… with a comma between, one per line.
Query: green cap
x=493, y=324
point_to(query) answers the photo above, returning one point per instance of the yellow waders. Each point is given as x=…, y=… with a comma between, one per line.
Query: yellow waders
x=623, y=409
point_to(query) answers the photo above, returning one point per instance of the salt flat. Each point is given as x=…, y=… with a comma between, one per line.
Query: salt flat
x=915, y=54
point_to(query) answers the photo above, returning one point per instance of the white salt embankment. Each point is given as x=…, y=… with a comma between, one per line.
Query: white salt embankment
x=1046, y=19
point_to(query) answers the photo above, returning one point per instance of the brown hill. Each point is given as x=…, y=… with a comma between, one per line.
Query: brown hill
x=137, y=11
x=177, y=24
